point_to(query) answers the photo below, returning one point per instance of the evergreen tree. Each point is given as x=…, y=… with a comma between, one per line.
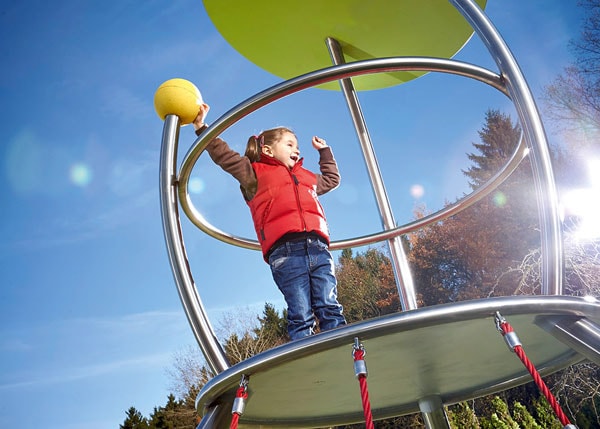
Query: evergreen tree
x=524, y=418
x=545, y=415
x=462, y=416
x=513, y=205
x=273, y=325
x=160, y=420
x=494, y=422
x=499, y=138
x=176, y=414
x=500, y=418
x=134, y=420
x=270, y=332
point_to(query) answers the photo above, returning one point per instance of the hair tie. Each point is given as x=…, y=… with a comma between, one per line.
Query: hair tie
x=260, y=140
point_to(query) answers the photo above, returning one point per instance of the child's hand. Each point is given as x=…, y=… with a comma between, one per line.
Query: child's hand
x=202, y=112
x=318, y=143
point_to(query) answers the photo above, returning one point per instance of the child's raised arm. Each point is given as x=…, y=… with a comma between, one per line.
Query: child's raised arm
x=202, y=112
x=318, y=143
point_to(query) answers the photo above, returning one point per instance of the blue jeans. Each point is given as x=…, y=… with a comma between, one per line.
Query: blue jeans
x=304, y=273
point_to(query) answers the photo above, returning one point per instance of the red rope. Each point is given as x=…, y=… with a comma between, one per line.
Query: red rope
x=234, y=421
x=518, y=349
x=242, y=394
x=364, y=392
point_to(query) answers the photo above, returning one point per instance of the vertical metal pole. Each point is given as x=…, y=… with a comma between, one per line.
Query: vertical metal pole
x=551, y=234
x=194, y=310
x=432, y=410
x=400, y=265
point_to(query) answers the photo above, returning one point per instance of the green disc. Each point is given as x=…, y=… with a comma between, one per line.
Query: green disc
x=287, y=37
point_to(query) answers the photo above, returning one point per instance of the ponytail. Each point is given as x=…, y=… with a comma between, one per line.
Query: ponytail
x=265, y=138
x=254, y=148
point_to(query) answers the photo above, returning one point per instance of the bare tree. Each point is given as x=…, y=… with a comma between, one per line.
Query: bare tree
x=573, y=98
x=189, y=371
x=577, y=387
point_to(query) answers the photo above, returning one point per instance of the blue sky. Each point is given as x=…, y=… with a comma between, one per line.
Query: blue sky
x=90, y=317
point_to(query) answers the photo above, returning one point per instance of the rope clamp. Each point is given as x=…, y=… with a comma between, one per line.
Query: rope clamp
x=239, y=403
x=358, y=353
x=244, y=381
x=499, y=322
x=510, y=337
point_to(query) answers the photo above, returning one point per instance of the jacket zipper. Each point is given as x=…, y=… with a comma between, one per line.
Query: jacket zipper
x=297, y=194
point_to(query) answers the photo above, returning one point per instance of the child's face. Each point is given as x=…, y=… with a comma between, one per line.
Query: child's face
x=284, y=150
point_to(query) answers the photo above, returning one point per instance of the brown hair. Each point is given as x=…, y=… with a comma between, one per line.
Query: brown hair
x=265, y=138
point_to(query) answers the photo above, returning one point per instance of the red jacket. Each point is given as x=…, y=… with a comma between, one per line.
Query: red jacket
x=279, y=205
x=285, y=201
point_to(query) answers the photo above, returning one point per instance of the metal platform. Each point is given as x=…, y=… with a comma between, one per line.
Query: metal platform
x=453, y=352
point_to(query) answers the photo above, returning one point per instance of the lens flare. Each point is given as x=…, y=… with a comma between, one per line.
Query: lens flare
x=499, y=199
x=417, y=191
x=196, y=185
x=80, y=174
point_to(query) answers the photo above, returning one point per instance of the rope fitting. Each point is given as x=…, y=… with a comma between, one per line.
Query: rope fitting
x=358, y=353
x=360, y=370
x=513, y=342
x=239, y=403
x=499, y=322
x=510, y=337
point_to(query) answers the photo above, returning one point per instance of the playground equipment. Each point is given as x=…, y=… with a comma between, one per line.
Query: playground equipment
x=422, y=358
x=178, y=97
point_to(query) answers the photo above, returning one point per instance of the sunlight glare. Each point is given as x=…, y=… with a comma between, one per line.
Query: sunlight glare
x=583, y=204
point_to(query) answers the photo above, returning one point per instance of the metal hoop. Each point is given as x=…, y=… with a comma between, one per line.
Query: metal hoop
x=329, y=74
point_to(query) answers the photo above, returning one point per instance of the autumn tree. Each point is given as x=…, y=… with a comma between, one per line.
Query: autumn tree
x=366, y=285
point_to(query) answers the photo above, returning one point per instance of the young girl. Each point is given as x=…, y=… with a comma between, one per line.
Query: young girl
x=289, y=220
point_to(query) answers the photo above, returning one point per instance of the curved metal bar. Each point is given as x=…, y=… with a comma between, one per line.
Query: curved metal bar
x=552, y=250
x=215, y=417
x=291, y=86
x=482, y=191
x=485, y=189
x=192, y=305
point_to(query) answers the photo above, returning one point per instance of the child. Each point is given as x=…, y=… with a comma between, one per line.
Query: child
x=289, y=220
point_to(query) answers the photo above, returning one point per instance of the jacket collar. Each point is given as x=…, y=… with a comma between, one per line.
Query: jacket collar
x=265, y=159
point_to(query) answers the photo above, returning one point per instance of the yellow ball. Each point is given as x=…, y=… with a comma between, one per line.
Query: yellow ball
x=178, y=97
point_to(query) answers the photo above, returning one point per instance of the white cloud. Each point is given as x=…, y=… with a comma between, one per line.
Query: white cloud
x=70, y=374
x=74, y=349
